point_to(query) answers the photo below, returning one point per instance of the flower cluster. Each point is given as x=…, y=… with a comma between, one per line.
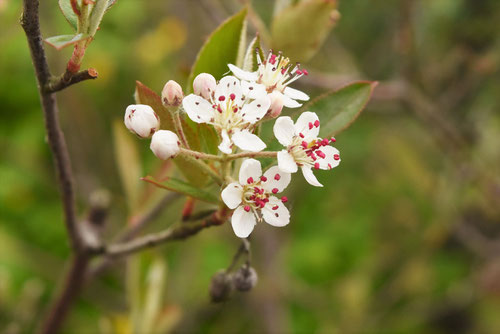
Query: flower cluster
x=236, y=106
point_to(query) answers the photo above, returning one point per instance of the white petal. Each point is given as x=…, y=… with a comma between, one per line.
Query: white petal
x=197, y=108
x=225, y=145
x=290, y=103
x=243, y=222
x=232, y=195
x=242, y=74
x=286, y=162
x=329, y=161
x=306, y=124
x=227, y=86
x=295, y=94
x=284, y=130
x=247, y=141
x=280, y=216
x=253, y=90
x=276, y=179
x=254, y=111
x=309, y=176
x=250, y=168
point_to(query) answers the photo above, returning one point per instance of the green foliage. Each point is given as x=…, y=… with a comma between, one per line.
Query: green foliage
x=69, y=14
x=340, y=108
x=62, y=41
x=183, y=188
x=300, y=30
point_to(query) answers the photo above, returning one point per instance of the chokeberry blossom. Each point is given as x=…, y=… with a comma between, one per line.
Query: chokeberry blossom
x=231, y=112
x=253, y=197
x=165, y=144
x=141, y=120
x=303, y=147
x=274, y=74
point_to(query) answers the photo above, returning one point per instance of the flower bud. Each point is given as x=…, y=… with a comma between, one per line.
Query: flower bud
x=245, y=278
x=221, y=287
x=165, y=144
x=204, y=85
x=141, y=120
x=276, y=105
x=172, y=94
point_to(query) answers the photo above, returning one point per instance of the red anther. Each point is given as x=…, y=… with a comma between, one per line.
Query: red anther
x=235, y=109
x=325, y=142
x=266, y=200
x=246, y=208
x=310, y=125
x=274, y=191
x=275, y=207
x=313, y=157
x=333, y=140
x=304, y=144
x=305, y=72
x=252, y=198
x=250, y=180
x=263, y=178
x=336, y=157
x=277, y=177
x=219, y=109
x=261, y=191
x=316, y=123
x=329, y=166
x=298, y=72
x=232, y=96
x=284, y=199
x=262, y=204
x=316, y=165
x=283, y=70
x=256, y=190
x=301, y=135
x=320, y=154
x=222, y=98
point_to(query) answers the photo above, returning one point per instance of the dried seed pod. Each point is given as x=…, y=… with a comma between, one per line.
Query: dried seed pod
x=221, y=286
x=245, y=278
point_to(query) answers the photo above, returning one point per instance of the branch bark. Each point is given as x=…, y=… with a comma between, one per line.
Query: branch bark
x=65, y=80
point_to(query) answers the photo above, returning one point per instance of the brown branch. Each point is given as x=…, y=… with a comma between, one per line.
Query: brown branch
x=68, y=79
x=171, y=234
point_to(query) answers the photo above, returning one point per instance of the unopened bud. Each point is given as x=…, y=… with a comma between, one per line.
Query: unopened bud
x=172, y=94
x=276, y=105
x=204, y=85
x=245, y=279
x=141, y=120
x=165, y=144
x=221, y=287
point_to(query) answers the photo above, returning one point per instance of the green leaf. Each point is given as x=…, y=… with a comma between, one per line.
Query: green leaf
x=110, y=4
x=69, y=14
x=98, y=11
x=129, y=166
x=337, y=110
x=300, y=30
x=192, y=172
x=183, y=188
x=62, y=41
x=251, y=55
x=220, y=49
x=240, y=57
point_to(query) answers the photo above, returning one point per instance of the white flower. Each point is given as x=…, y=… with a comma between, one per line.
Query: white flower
x=165, y=144
x=303, y=147
x=141, y=120
x=274, y=74
x=172, y=94
x=231, y=113
x=253, y=199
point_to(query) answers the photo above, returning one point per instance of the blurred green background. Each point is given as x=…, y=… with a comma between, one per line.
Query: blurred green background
x=403, y=238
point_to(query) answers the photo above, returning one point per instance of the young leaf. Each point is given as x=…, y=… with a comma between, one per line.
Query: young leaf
x=220, y=49
x=110, y=4
x=127, y=158
x=100, y=7
x=250, y=55
x=240, y=57
x=183, y=188
x=145, y=95
x=338, y=109
x=69, y=13
x=62, y=41
x=300, y=30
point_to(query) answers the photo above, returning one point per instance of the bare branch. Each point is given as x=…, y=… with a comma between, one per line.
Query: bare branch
x=68, y=79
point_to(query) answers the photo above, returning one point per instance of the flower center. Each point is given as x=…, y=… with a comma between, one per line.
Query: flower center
x=308, y=153
x=227, y=113
x=276, y=72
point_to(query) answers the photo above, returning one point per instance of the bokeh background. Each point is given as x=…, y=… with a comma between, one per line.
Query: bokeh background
x=403, y=238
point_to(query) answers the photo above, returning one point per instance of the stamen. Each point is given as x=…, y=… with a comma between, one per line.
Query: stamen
x=301, y=135
x=336, y=157
x=275, y=207
x=310, y=125
x=284, y=199
x=274, y=191
x=277, y=177
x=250, y=180
x=316, y=123
x=316, y=165
x=263, y=178
x=246, y=208
x=232, y=96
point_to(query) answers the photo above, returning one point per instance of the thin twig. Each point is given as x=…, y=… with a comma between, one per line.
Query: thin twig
x=243, y=249
x=64, y=81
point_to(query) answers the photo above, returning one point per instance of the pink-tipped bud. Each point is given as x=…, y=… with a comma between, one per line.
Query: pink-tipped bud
x=141, y=120
x=165, y=144
x=204, y=85
x=172, y=94
x=276, y=104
